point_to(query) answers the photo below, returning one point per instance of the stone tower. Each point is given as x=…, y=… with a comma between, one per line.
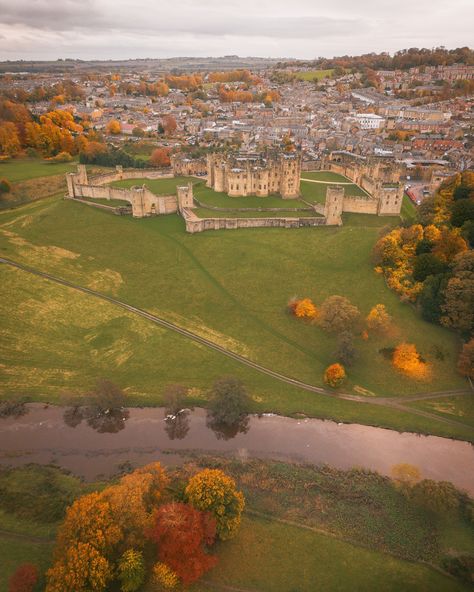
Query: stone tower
x=290, y=176
x=390, y=198
x=334, y=205
x=185, y=197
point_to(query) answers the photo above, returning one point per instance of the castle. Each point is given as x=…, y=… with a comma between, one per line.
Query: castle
x=264, y=174
x=251, y=174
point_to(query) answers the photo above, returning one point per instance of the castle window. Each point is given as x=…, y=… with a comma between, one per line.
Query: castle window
x=231, y=186
x=264, y=186
x=237, y=187
x=260, y=186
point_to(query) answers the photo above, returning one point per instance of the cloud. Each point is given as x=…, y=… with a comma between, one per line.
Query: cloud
x=50, y=29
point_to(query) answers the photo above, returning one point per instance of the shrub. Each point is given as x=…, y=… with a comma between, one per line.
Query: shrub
x=61, y=157
x=407, y=360
x=229, y=400
x=337, y=314
x=163, y=577
x=440, y=497
x=5, y=186
x=461, y=567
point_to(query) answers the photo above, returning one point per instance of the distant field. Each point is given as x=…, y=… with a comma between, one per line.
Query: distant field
x=22, y=169
x=314, y=74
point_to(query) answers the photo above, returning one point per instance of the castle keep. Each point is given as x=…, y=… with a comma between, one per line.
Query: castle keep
x=255, y=174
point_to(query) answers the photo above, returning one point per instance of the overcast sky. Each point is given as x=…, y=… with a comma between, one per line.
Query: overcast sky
x=104, y=29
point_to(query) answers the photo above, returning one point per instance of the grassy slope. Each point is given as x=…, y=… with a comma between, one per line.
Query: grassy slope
x=278, y=557
x=29, y=168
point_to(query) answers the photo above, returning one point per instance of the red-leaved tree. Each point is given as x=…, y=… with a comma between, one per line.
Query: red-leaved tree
x=182, y=535
x=24, y=578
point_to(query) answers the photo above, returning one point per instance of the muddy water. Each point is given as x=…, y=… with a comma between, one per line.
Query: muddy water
x=92, y=449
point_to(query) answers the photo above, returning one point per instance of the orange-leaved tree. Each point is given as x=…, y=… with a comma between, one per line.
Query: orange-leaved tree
x=334, y=375
x=378, y=319
x=114, y=127
x=303, y=308
x=406, y=359
x=160, y=157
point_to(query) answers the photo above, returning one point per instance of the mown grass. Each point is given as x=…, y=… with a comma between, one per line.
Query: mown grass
x=163, y=186
x=460, y=408
x=208, y=213
x=228, y=285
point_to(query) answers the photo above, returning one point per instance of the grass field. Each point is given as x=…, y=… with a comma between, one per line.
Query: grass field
x=158, y=186
x=268, y=555
x=208, y=213
x=314, y=74
x=30, y=168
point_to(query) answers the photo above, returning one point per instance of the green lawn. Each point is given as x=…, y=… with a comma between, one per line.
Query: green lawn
x=21, y=169
x=268, y=555
x=107, y=202
x=208, y=213
x=314, y=74
x=408, y=210
x=459, y=408
x=163, y=186
x=327, y=176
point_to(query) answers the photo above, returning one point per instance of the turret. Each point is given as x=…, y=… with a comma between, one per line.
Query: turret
x=334, y=205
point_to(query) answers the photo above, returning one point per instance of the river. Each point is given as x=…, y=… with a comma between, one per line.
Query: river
x=93, y=448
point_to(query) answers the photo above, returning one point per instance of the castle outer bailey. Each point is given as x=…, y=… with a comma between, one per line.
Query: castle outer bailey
x=243, y=174
x=377, y=176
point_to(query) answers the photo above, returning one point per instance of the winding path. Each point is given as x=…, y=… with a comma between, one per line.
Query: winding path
x=392, y=402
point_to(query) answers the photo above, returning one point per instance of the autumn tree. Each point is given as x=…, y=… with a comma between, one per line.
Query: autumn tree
x=169, y=124
x=406, y=359
x=337, y=314
x=450, y=243
x=5, y=186
x=334, y=375
x=9, y=140
x=131, y=571
x=114, y=127
x=378, y=319
x=183, y=534
x=82, y=568
x=405, y=475
x=106, y=395
x=163, y=577
x=465, y=364
x=211, y=490
x=24, y=578
x=160, y=157
x=303, y=308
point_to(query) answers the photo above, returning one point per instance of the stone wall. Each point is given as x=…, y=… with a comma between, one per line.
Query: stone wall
x=195, y=224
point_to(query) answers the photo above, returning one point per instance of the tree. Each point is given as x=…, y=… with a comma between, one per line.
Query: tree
x=211, y=490
x=5, y=186
x=462, y=192
x=9, y=140
x=81, y=569
x=345, y=352
x=160, y=157
x=114, y=127
x=229, y=400
x=304, y=308
x=428, y=264
x=131, y=571
x=169, y=124
x=431, y=298
x=337, y=314
x=182, y=535
x=440, y=497
x=450, y=244
x=174, y=397
x=465, y=364
x=462, y=211
x=334, y=375
x=458, y=304
x=378, y=319
x=163, y=577
x=89, y=520
x=406, y=359
x=106, y=396
x=405, y=475
x=138, y=132
x=24, y=578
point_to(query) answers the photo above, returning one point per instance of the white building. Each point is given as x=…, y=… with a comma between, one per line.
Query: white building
x=368, y=121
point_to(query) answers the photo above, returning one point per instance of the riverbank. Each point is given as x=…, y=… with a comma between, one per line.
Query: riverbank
x=99, y=446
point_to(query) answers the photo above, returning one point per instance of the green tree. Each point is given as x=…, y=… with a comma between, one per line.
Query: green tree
x=462, y=211
x=440, y=497
x=431, y=299
x=428, y=264
x=229, y=401
x=131, y=570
